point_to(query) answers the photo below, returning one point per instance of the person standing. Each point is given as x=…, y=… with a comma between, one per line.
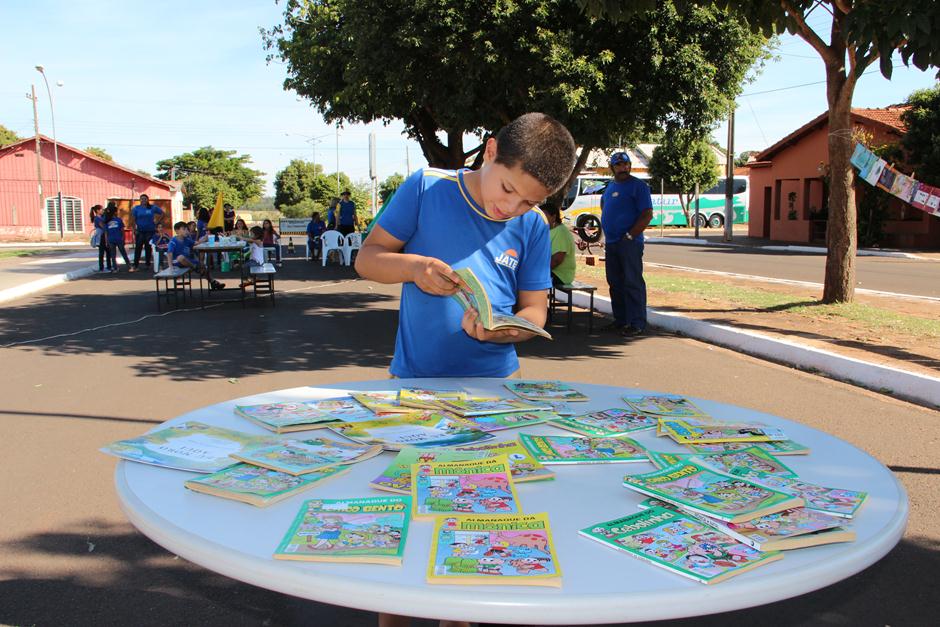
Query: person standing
x=626, y=211
x=145, y=227
x=347, y=214
x=331, y=213
x=101, y=232
x=228, y=218
x=114, y=231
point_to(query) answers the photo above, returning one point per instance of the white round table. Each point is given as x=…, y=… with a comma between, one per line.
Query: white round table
x=598, y=586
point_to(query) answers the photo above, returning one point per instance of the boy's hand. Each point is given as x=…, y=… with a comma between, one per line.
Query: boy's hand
x=472, y=327
x=435, y=277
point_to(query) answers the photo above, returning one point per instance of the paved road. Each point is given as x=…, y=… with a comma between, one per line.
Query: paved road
x=68, y=555
x=17, y=271
x=904, y=276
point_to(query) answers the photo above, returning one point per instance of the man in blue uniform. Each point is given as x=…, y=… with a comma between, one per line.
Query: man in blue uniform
x=347, y=214
x=626, y=211
x=145, y=228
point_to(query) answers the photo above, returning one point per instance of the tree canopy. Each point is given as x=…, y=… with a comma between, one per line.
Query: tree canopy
x=205, y=171
x=683, y=161
x=101, y=153
x=453, y=67
x=922, y=140
x=7, y=136
x=302, y=181
x=389, y=186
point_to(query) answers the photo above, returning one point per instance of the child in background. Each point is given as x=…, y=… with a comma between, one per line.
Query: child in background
x=255, y=252
x=241, y=229
x=97, y=218
x=483, y=220
x=160, y=242
x=272, y=238
x=115, y=234
x=202, y=222
x=182, y=255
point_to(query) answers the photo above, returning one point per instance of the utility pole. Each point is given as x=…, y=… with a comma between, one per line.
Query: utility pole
x=729, y=179
x=337, y=158
x=32, y=96
x=373, y=174
x=55, y=144
x=696, y=218
x=407, y=161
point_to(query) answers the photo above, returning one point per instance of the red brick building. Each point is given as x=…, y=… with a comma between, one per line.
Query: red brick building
x=28, y=197
x=787, y=186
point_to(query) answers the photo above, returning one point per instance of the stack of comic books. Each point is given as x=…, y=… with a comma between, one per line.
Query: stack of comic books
x=259, y=486
x=477, y=406
x=545, y=391
x=428, y=399
x=292, y=416
x=607, y=422
x=421, y=429
x=299, y=457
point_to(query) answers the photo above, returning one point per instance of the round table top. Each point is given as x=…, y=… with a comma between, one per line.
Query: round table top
x=598, y=585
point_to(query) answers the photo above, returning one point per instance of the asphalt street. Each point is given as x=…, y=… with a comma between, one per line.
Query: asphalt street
x=88, y=362
x=890, y=274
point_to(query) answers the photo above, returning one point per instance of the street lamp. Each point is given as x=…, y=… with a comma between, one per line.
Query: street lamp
x=55, y=144
x=313, y=141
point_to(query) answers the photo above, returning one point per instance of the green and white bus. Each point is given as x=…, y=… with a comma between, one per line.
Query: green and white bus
x=582, y=205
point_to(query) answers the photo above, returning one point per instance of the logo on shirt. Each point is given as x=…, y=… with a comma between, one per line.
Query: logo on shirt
x=509, y=259
x=615, y=194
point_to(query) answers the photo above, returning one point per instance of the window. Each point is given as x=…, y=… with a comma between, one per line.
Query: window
x=72, y=208
x=738, y=187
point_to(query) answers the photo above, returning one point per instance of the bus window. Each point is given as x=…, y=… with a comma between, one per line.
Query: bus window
x=738, y=187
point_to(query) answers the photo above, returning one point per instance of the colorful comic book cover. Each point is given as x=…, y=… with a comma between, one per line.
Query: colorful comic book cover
x=372, y=530
x=753, y=458
x=397, y=477
x=192, y=446
x=484, y=406
x=613, y=421
x=383, y=403
x=545, y=390
x=522, y=465
x=687, y=432
x=342, y=409
x=478, y=486
x=284, y=417
x=510, y=420
x=562, y=408
x=919, y=195
x=501, y=550
x=667, y=405
x=579, y=449
x=678, y=542
x=298, y=457
x=790, y=529
x=833, y=501
x=419, y=429
x=428, y=399
x=472, y=295
x=776, y=448
x=700, y=489
x=258, y=486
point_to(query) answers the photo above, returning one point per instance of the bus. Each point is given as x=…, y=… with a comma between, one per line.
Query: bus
x=582, y=205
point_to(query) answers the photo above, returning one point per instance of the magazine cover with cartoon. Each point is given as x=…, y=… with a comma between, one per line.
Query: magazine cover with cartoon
x=480, y=486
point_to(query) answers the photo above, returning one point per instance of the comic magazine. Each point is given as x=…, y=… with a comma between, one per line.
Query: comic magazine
x=522, y=465
x=192, y=446
x=298, y=457
x=477, y=486
x=613, y=421
x=790, y=529
x=500, y=550
x=776, y=448
x=342, y=409
x=427, y=399
x=666, y=405
x=545, y=391
x=259, y=486
x=397, y=477
x=686, y=432
x=383, y=403
x=483, y=406
x=472, y=295
x=699, y=489
x=752, y=458
x=372, y=530
x=576, y=449
x=833, y=501
x=284, y=417
x=510, y=420
x=678, y=542
x=418, y=429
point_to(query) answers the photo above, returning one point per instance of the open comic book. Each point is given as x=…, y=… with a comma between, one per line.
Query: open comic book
x=258, y=486
x=472, y=295
x=423, y=428
x=699, y=489
x=478, y=486
x=372, y=530
x=192, y=446
x=545, y=391
x=571, y=449
x=678, y=542
x=790, y=529
x=298, y=457
x=501, y=550
x=613, y=421
x=303, y=415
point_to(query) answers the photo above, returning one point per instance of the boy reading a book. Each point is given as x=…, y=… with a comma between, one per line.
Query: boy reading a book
x=486, y=220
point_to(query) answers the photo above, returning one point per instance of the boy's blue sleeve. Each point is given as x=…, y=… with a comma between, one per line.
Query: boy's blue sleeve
x=534, y=271
x=400, y=217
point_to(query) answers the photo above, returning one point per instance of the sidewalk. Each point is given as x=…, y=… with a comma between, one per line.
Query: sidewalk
x=24, y=275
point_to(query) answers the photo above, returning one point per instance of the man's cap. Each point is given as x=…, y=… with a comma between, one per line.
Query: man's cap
x=619, y=157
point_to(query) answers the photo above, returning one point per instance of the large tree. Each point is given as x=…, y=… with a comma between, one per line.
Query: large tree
x=7, y=136
x=302, y=180
x=684, y=161
x=199, y=168
x=922, y=140
x=449, y=68
x=857, y=34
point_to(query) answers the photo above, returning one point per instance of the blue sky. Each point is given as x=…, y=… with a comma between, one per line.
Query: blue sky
x=150, y=80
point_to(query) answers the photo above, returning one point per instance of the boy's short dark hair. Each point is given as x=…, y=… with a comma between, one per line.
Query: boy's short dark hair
x=179, y=225
x=256, y=232
x=552, y=209
x=541, y=146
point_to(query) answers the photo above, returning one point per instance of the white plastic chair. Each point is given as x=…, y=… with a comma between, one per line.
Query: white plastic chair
x=332, y=240
x=352, y=242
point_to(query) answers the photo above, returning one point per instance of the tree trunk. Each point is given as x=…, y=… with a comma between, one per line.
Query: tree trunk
x=841, y=233
x=559, y=196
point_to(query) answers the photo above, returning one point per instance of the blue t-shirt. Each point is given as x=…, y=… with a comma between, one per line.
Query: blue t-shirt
x=115, y=230
x=347, y=212
x=623, y=203
x=183, y=247
x=143, y=217
x=201, y=227
x=162, y=242
x=315, y=229
x=100, y=223
x=434, y=214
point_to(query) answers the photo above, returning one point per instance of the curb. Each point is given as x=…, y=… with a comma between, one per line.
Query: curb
x=911, y=386
x=40, y=284
x=861, y=252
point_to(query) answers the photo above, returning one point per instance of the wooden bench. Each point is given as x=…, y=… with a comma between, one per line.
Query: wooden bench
x=181, y=281
x=262, y=281
x=568, y=290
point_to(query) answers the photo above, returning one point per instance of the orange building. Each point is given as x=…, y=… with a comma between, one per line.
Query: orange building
x=787, y=186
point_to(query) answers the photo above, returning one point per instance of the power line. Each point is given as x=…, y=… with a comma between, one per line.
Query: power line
x=770, y=91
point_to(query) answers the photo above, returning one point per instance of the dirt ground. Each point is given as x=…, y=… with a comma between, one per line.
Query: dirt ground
x=886, y=346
